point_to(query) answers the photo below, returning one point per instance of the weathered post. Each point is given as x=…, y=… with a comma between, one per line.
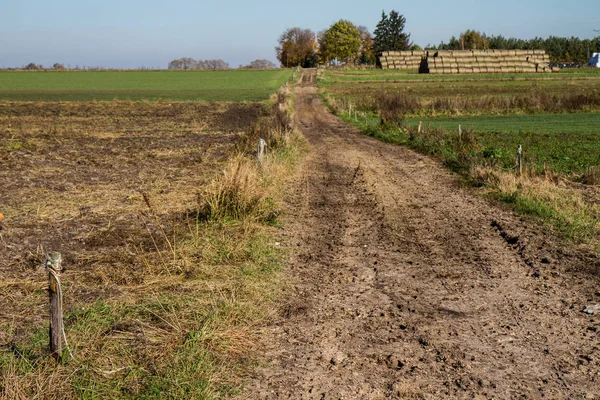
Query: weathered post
x=262, y=150
x=519, y=160
x=459, y=134
x=54, y=268
x=420, y=127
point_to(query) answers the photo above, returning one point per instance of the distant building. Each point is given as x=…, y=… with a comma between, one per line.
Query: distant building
x=595, y=60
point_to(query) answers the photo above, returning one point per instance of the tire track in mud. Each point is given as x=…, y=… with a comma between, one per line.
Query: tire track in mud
x=403, y=285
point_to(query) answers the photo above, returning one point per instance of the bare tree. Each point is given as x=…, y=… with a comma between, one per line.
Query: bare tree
x=33, y=67
x=187, y=63
x=216, y=64
x=260, y=64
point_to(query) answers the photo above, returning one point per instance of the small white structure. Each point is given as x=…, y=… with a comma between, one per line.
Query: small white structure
x=595, y=60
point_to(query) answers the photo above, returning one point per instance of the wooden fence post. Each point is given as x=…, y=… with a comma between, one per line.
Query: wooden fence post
x=519, y=160
x=420, y=127
x=54, y=268
x=459, y=134
x=262, y=150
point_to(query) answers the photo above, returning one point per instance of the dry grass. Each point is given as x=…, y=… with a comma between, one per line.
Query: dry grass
x=548, y=196
x=161, y=296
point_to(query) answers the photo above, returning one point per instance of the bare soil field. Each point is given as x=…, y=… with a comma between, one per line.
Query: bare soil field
x=405, y=285
x=158, y=298
x=73, y=175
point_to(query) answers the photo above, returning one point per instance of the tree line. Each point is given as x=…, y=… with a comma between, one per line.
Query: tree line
x=560, y=49
x=343, y=42
x=187, y=63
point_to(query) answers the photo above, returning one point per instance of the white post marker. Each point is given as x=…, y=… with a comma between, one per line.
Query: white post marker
x=262, y=150
x=519, y=159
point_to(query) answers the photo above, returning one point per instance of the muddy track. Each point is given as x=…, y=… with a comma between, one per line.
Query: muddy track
x=404, y=285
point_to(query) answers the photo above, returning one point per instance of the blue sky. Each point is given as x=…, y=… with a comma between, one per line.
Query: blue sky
x=150, y=33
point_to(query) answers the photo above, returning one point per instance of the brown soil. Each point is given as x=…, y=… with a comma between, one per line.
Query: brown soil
x=405, y=285
x=72, y=177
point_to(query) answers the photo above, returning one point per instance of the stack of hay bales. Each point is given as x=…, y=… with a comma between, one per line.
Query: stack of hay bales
x=486, y=61
x=403, y=60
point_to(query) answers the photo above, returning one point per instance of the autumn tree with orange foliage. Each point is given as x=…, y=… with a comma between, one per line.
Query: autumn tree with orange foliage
x=297, y=48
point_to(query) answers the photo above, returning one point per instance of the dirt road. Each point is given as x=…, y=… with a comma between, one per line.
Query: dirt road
x=404, y=285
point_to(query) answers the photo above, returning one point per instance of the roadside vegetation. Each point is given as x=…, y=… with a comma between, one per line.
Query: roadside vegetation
x=166, y=224
x=554, y=120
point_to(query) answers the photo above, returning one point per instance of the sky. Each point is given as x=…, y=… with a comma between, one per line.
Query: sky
x=150, y=33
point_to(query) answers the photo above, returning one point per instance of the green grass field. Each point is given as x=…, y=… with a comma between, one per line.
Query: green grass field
x=141, y=85
x=567, y=142
x=442, y=95
x=556, y=117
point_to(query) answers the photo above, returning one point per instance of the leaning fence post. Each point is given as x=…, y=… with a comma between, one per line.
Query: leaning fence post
x=262, y=149
x=459, y=134
x=54, y=268
x=519, y=160
x=420, y=127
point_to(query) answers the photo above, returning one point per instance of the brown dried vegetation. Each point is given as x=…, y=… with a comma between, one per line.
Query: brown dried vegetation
x=158, y=297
